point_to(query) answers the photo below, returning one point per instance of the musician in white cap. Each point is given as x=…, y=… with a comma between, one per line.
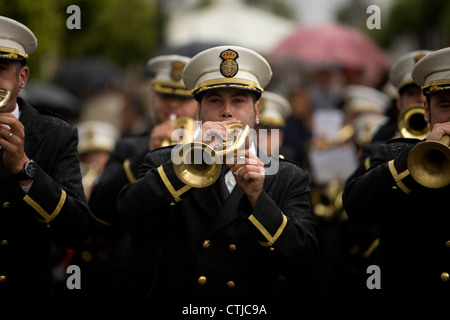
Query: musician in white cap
x=274, y=110
x=170, y=99
x=235, y=237
x=408, y=92
x=97, y=140
x=42, y=197
x=407, y=200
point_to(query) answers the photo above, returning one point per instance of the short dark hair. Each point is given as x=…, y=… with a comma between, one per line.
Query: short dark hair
x=428, y=98
x=402, y=89
x=20, y=63
x=255, y=96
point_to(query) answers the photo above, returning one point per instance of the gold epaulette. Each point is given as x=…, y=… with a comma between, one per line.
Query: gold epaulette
x=175, y=193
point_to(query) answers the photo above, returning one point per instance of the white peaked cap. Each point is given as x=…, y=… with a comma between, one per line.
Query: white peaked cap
x=16, y=40
x=227, y=66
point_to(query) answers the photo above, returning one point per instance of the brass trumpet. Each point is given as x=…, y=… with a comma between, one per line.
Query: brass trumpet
x=200, y=165
x=185, y=123
x=411, y=122
x=429, y=163
x=5, y=95
x=327, y=200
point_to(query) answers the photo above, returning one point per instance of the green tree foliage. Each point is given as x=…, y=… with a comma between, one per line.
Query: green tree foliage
x=424, y=22
x=125, y=32
x=427, y=21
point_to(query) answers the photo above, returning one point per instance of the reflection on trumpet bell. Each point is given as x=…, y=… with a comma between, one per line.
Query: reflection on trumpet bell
x=327, y=201
x=5, y=95
x=185, y=123
x=429, y=163
x=198, y=165
x=411, y=122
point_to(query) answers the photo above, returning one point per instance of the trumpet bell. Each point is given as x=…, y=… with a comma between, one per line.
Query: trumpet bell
x=199, y=164
x=5, y=95
x=412, y=124
x=429, y=163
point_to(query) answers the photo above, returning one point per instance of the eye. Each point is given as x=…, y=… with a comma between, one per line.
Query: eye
x=239, y=100
x=214, y=100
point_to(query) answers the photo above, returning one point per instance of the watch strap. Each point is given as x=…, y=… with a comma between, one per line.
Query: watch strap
x=22, y=174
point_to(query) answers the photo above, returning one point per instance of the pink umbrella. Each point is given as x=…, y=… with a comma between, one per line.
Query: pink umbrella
x=334, y=44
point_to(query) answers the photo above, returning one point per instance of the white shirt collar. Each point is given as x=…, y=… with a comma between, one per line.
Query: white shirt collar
x=16, y=111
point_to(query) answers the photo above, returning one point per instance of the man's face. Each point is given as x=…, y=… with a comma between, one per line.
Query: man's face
x=12, y=79
x=229, y=104
x=438, y=110
x=166, y=105
x=412, y=94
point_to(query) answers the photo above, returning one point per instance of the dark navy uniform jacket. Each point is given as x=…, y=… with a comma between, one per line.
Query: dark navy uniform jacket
x=207, y=247
x=54, y=211
x=414, y=223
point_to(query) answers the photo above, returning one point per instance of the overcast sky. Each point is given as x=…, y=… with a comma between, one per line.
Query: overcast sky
x=322, y=11
x=316, y=11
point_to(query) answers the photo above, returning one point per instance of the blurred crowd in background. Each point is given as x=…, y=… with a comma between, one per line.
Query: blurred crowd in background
x=331, y=79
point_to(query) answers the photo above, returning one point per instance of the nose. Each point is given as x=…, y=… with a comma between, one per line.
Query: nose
x=226, y=111
x=172, y=104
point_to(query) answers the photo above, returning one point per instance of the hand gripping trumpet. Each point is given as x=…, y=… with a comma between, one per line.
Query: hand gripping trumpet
x=429, y=163
x=200, y=165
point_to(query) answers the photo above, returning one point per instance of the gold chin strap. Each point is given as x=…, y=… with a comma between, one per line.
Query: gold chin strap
x=12, y=52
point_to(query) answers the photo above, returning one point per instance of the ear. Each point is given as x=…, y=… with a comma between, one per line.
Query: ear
x=256, y=111
x=398, y=104
x=23, y=76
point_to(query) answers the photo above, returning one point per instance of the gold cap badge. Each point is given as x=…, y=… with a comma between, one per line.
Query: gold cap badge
x=177, y=70
x=229, y=67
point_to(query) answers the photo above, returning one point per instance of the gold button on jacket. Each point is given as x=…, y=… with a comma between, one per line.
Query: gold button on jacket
x=206, y=244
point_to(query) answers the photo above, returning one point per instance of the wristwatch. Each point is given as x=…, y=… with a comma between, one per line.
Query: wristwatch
x=28, y=171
